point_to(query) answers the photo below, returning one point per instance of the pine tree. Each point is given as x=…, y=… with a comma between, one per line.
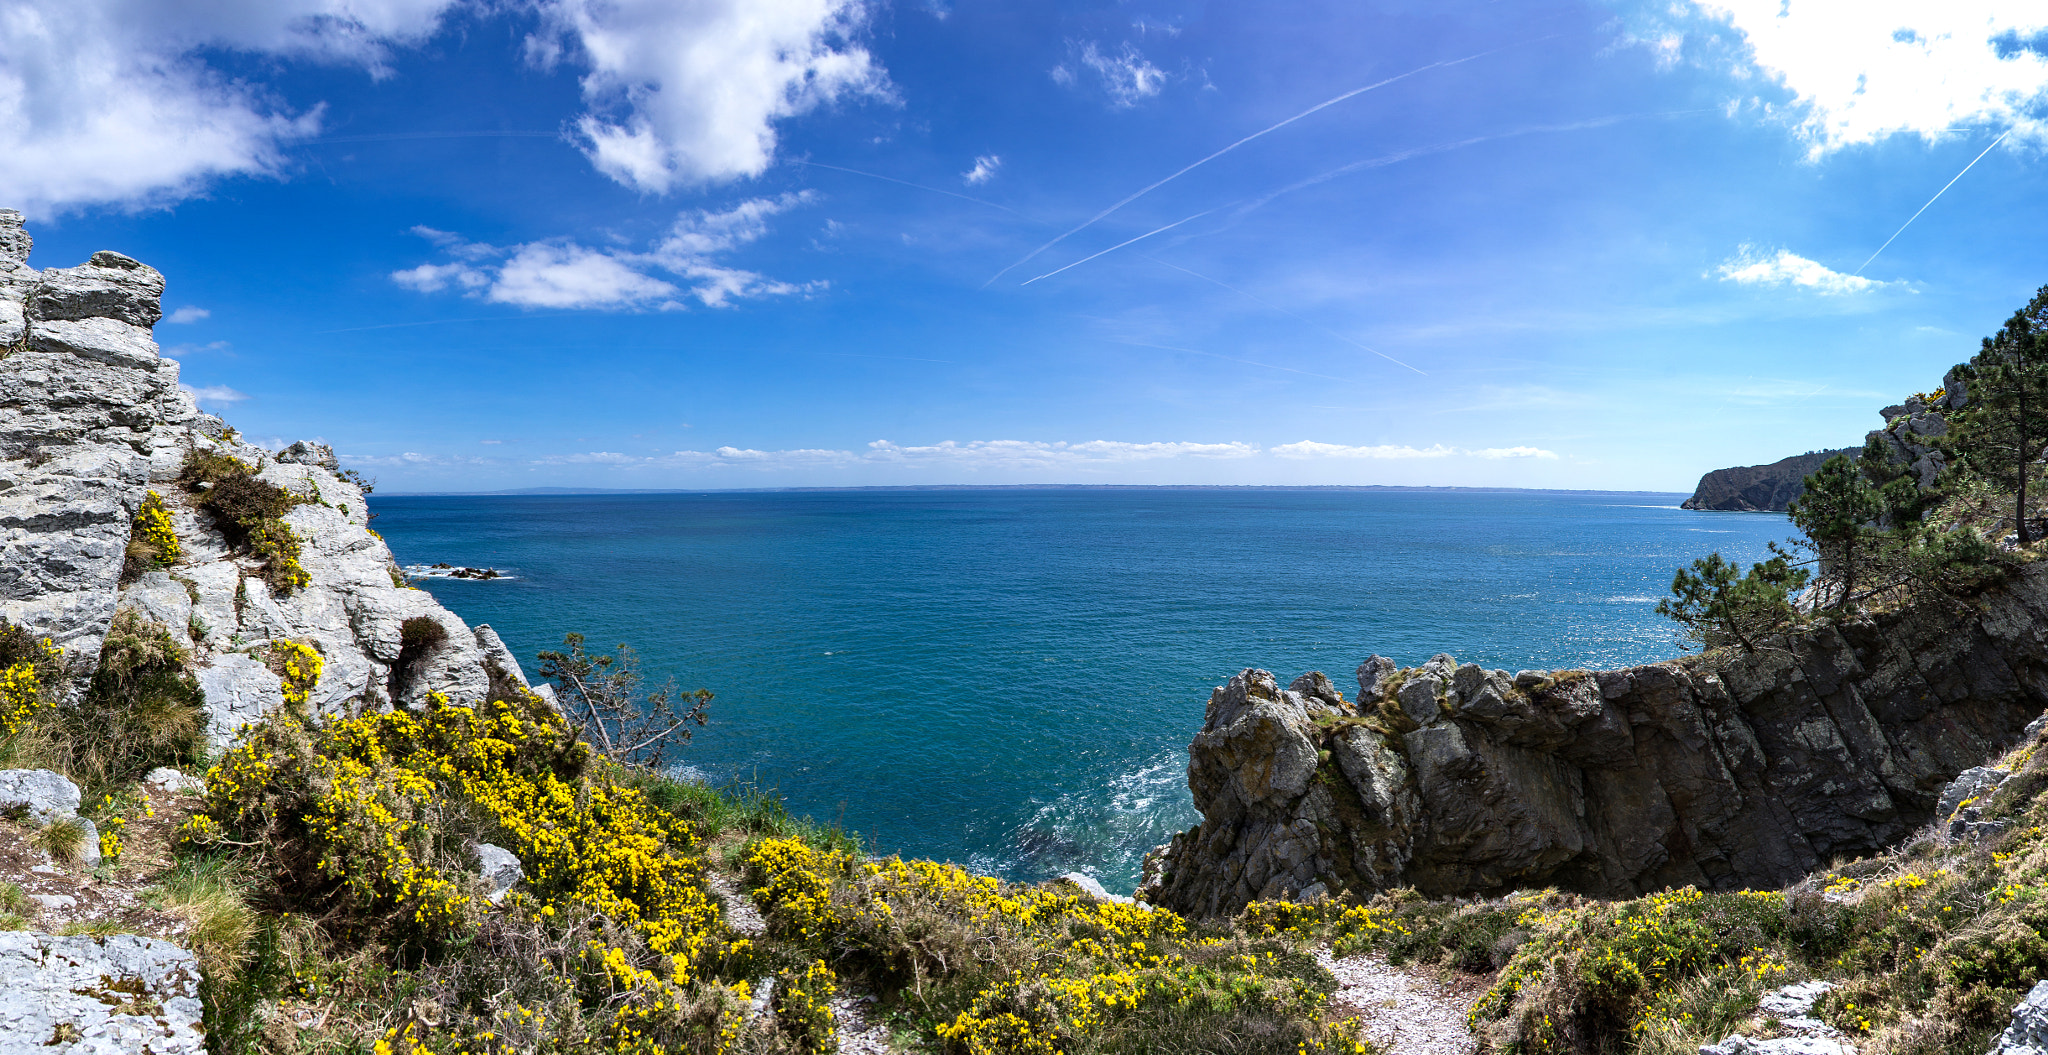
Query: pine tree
x=2003, y=431
x=1719, y=606
x=1839, y=512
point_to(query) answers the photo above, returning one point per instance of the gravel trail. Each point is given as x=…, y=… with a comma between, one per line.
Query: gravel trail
x=1403, y=1013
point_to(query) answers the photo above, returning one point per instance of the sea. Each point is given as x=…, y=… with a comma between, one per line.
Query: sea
x=1009, y=678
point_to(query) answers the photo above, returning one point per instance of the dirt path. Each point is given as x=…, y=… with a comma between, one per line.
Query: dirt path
x=1403, y=1013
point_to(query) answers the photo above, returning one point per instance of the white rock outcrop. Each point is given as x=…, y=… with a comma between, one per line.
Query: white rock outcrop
x=92, y=419
x=97, y=996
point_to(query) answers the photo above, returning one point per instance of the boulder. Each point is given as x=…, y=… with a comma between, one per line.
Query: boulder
x=172, y=782
x=80, y=995
x=44, y=794
x=499, y=868
x=238, y=690
x=308, y=453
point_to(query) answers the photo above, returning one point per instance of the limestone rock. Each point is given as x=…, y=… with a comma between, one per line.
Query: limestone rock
x=307, y=453
x=91, y=417
x=499, y=868
x=110, y=286
x=2028, y=1033
x=119, y=994
x=1741, y=1045
x=172, y=782
x=238, y=690
x=44, y=794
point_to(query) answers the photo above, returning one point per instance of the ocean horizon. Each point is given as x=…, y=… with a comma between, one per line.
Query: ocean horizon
x=1009, y=677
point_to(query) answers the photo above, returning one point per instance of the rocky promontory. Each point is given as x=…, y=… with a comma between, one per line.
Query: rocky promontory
x=1722, y=771
x=1758, y=488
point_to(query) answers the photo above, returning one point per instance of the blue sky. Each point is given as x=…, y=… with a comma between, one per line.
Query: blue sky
x=750, y=243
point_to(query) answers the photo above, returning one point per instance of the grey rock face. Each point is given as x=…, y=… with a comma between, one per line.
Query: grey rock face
x=1962, y=804
x=1722, y=772
x=238, y=690
x=44, y=794
x=2028, y=1033
x=109, y=286
x=499, y=868
x=306, y=452
x=120, y=995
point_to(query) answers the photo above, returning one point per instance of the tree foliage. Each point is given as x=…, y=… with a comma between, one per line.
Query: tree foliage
x=602, y=694
x=1718, y=604
x=2002, y=433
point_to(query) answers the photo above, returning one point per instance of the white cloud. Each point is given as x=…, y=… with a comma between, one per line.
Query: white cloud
x=1390, y=452
x=197, y=349
x=1786, y=268
x=556, y=274
x=688, y=91
x=116, y=102
x=217, y=395
x=1126, y=76
x=984, y=169
x=541, y=275
x=111, y=101
x=1862, y=70
x=188, y=314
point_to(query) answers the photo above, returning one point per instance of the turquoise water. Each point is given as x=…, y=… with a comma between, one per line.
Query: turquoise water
x=1009, y=678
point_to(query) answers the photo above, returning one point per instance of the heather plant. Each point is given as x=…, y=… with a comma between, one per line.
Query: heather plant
x=248, y=511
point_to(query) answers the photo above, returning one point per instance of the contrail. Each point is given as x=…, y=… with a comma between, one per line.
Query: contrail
x=1440, y=148
x=907, y=183
x=1232, y=359
x=1325, y=104
x=1119, y=245
x=1289, y=314
x=1930, y=201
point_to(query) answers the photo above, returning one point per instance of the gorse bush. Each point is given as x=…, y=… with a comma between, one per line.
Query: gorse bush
x=995, y=969
x=31, y=675
x=152, y=541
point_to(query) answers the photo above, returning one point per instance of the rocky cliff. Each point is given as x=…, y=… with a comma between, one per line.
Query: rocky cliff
x=1758, y=488
x=92, y=420
x=1719, y=771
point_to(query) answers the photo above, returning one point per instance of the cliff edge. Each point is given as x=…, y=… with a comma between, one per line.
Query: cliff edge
x=1721, y=771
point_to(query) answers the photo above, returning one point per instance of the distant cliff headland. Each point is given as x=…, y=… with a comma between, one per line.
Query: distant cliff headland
x=1759, y=488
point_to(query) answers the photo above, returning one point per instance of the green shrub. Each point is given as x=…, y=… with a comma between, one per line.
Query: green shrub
x=142, y=709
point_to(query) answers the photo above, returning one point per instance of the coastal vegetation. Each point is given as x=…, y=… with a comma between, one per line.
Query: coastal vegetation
x=1874, y=531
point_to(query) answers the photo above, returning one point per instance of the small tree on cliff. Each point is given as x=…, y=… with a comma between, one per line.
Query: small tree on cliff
x=602, y=694
x=1838, y=512
x=1719, y=605
x=2003, y=431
